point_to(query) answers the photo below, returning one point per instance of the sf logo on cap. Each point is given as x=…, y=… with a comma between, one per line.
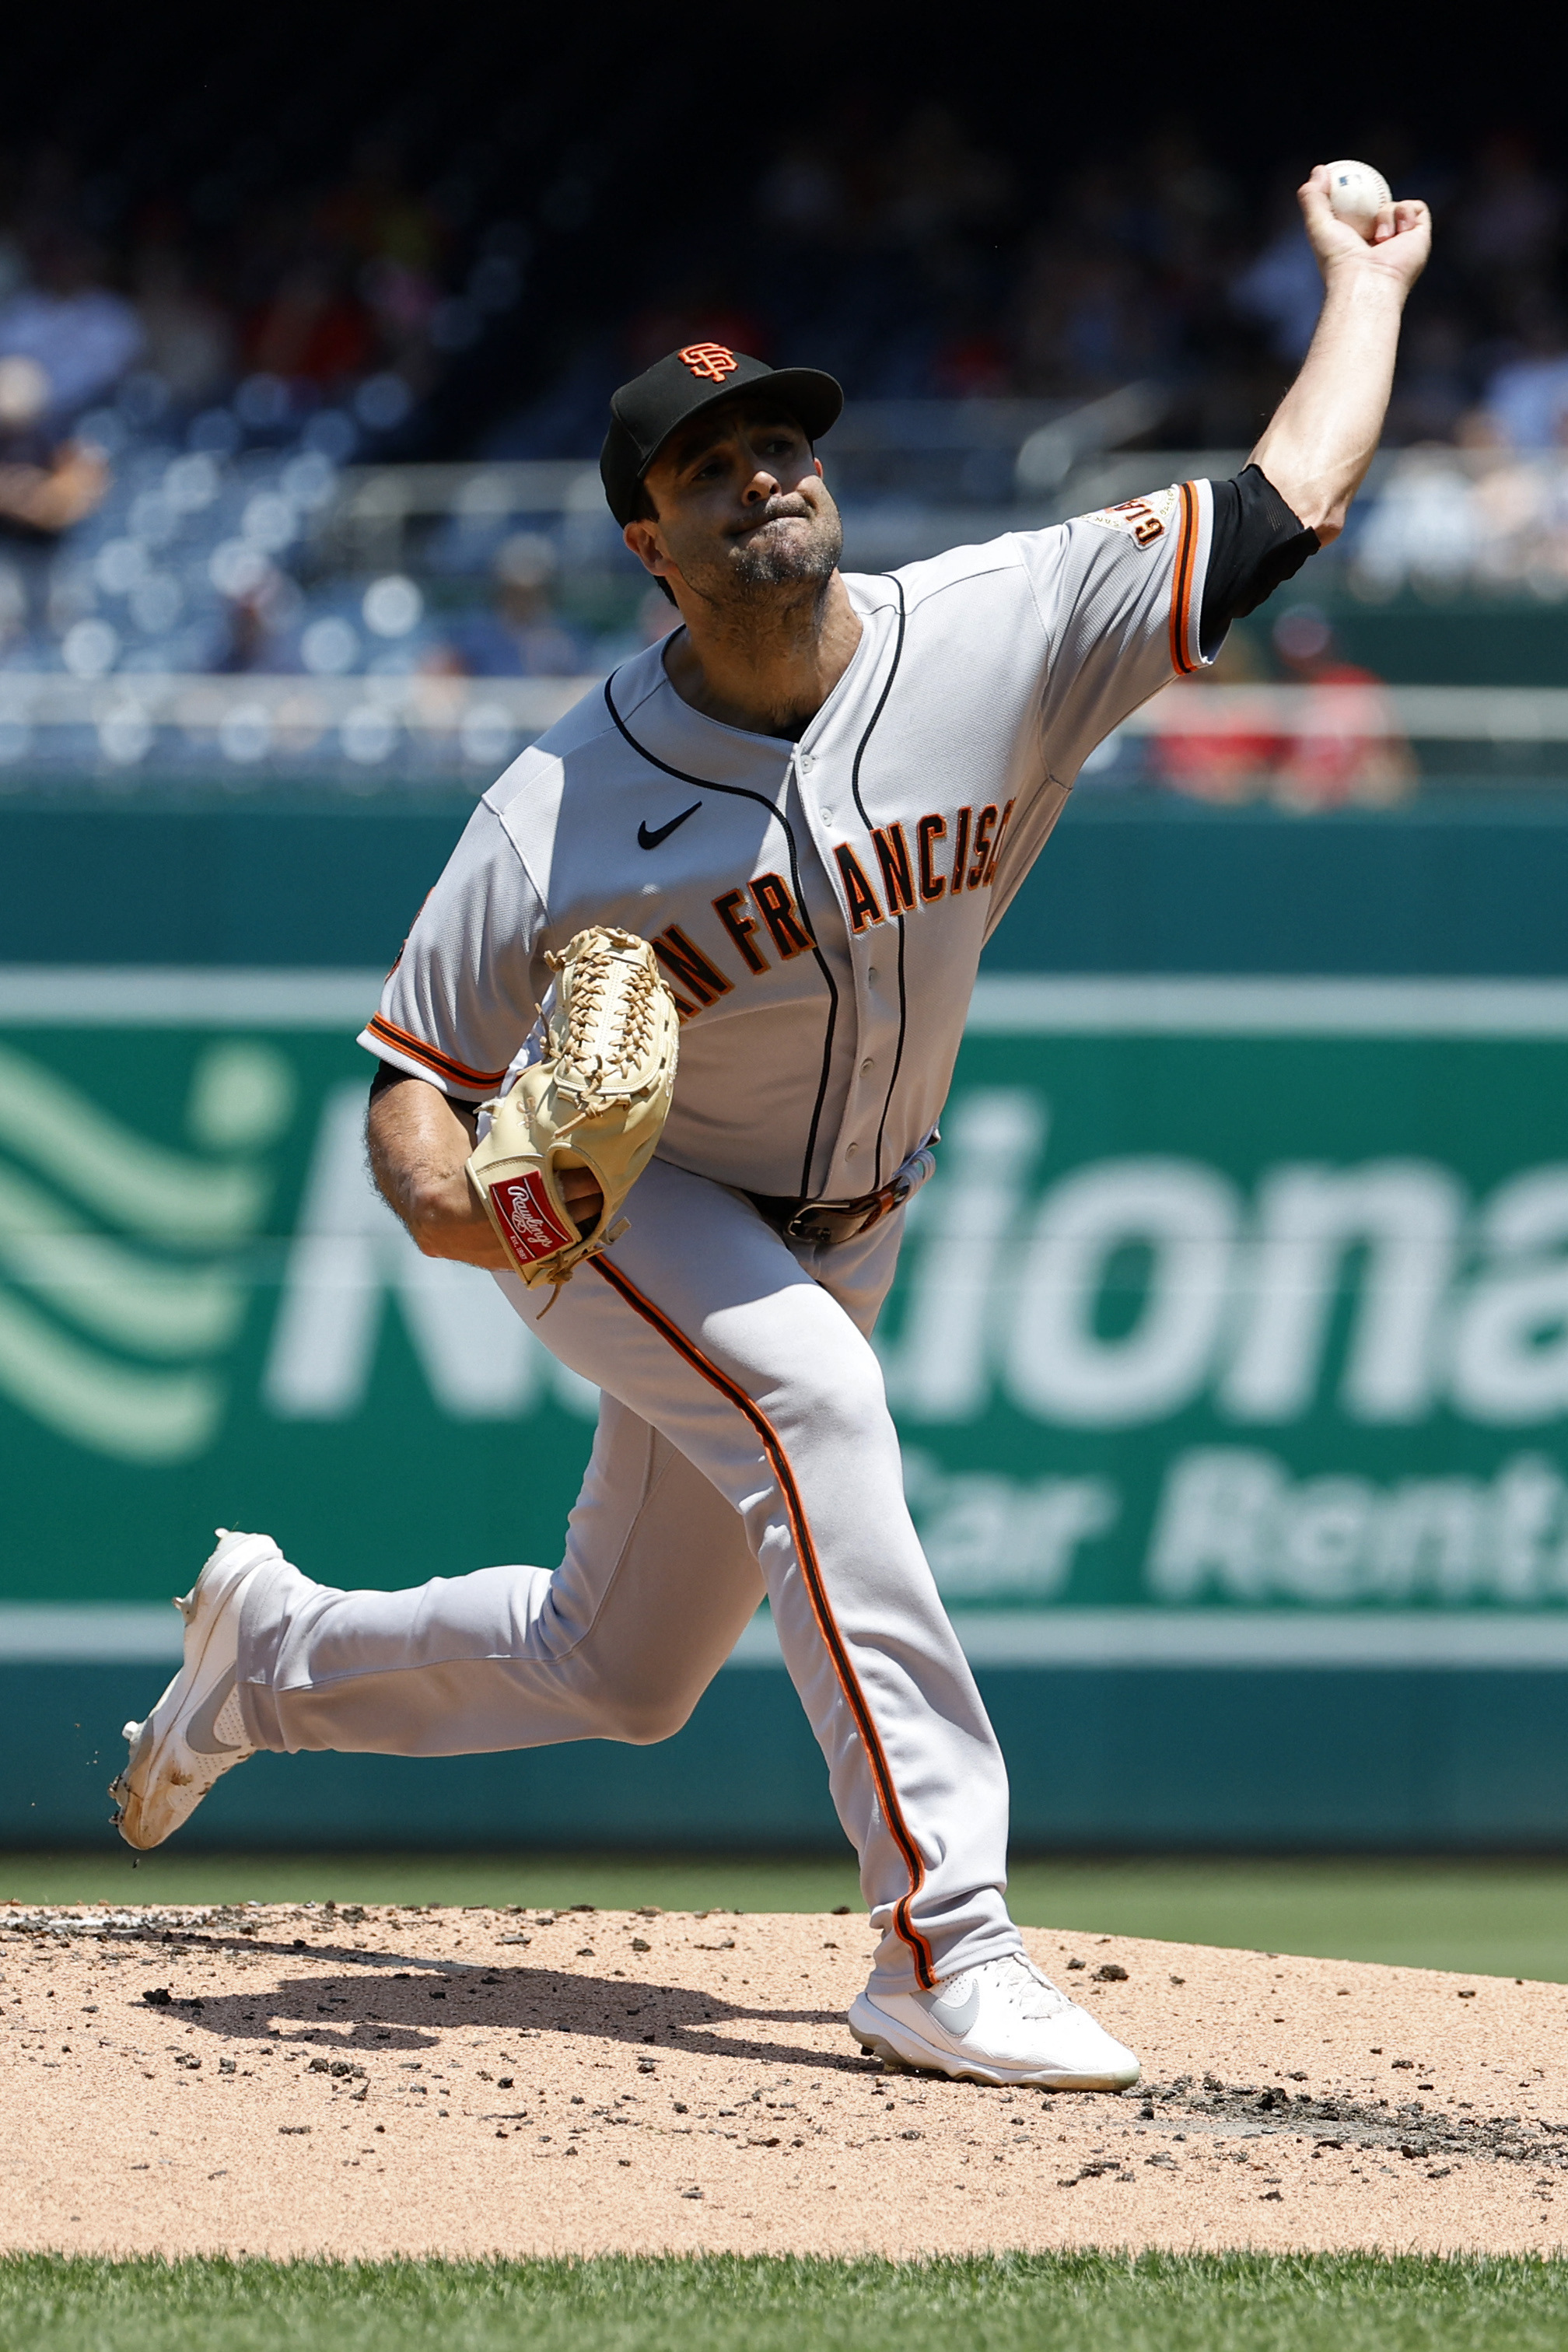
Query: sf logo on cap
x=714, y=362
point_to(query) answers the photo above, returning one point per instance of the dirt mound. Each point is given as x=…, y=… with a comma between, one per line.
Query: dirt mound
x=374, y=2081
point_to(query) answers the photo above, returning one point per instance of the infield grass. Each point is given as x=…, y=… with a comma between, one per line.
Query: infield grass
x=1066, y=2302
x=1487, y=1918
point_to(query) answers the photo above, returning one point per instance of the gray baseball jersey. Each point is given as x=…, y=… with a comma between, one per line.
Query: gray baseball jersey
x=819, y=907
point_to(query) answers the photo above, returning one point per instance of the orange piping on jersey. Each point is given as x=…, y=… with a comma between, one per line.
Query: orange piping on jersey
x=1182, y=661
x=811, y=1572
x=444, y=1064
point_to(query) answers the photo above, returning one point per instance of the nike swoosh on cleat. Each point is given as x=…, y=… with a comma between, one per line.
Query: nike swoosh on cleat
x=958, y=2016
x=201, y=1736
x=647, y=839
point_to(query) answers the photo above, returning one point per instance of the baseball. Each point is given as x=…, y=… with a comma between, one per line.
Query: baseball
x=1357, y=194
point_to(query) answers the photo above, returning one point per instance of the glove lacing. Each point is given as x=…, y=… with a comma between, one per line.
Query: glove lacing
x=610, y=1030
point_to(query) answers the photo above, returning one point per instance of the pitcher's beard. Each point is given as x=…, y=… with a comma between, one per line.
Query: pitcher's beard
x=793, y=559
x=749, y=577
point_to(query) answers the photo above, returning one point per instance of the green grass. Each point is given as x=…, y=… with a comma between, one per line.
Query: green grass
x=1487, y=1918
x=1072, y=2303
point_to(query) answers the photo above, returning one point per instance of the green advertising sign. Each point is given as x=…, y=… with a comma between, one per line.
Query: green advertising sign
x=1234, y=1304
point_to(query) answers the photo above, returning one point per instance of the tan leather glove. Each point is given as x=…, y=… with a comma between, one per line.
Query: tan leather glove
x=597, y=1099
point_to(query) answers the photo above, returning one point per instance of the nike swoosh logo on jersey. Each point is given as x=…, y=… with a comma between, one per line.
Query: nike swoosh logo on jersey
x=651, y=840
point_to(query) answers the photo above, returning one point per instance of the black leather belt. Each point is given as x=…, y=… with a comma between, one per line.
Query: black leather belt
x=826, y=1224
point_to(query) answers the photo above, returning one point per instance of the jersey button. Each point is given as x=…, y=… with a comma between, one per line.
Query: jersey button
x=828, y=816
x=866, y=1066
x=850, y=1149
x=807, y=763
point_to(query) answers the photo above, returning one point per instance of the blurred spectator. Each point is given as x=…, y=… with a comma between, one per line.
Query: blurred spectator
x=1345, y=749
x=45, y=489
x=1223, y=754
x=540, y=645
x=261, y=605
x=1527, y=399
x=520, y=635
x=1484, y=516
x=1421, y=525
x=1339, y=746
x=83, y=337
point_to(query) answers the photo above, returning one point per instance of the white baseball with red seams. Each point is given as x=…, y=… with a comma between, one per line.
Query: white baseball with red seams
x=818, y=908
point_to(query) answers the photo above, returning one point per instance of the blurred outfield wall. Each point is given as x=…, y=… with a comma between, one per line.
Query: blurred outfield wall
x=1230, y=1345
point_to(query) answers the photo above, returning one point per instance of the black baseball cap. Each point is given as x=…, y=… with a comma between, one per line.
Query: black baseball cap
x=646, y=412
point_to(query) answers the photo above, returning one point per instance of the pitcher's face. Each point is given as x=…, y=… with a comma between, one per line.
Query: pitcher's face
x=741, y=507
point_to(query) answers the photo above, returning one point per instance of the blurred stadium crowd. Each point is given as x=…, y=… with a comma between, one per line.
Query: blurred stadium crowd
x=209, y=328
x=908, y=255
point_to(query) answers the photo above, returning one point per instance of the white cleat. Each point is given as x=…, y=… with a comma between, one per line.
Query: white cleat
x=196, y=1732
x=1000, y=2022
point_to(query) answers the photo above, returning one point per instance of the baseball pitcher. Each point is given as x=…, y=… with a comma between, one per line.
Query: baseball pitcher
x=706, y=949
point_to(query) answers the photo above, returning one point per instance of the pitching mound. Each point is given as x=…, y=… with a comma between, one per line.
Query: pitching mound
x=372, y=2082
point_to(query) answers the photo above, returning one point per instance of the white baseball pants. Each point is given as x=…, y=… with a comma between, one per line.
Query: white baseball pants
x=744, y=1445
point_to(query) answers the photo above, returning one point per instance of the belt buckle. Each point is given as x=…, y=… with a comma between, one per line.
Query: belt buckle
x=826, y=1224
x=829, y=1223
x=814, y=1223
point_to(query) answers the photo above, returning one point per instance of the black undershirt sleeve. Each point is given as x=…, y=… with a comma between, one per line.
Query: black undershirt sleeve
x=1258, y=545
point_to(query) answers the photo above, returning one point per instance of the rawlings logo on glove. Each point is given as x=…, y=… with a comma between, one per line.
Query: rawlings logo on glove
x=521, y=1206
x=597, y=1098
